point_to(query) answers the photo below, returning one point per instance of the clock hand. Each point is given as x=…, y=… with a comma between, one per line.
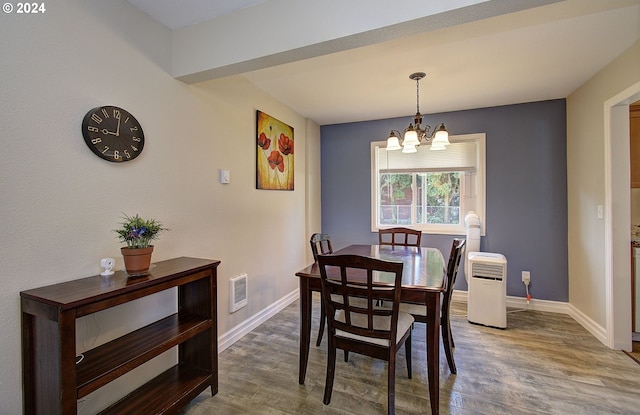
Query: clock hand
x=118, y=129
x=105, y=131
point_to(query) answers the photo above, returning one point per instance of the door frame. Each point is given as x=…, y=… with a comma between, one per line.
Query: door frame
x=618, y=218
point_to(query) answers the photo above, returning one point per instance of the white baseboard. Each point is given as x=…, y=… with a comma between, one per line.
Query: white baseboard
x=227, y=339
x=592, y=327
x=519, y=302
x=585, y=321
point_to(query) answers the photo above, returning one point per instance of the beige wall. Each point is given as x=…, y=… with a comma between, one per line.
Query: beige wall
x=59, y=202
x=313, y=185
x=586, y=182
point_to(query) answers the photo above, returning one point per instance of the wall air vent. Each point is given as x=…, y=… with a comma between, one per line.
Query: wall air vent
x=237, y=292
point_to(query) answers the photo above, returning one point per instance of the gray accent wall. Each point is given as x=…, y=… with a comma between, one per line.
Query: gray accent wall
x=526, y=185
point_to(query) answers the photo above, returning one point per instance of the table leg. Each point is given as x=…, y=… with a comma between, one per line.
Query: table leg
x=305, y=328
x=433, y=350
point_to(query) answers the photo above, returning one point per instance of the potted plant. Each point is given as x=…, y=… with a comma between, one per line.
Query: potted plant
x=138, y=233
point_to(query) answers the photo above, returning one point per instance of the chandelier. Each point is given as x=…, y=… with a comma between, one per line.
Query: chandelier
x=414, y=134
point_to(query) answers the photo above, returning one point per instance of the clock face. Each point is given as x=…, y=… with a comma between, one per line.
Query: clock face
x=113, y=134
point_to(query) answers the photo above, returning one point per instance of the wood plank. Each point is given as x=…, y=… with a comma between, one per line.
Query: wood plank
x=542, y=363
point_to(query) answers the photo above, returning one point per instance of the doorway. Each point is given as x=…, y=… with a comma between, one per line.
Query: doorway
x=634, y=135
x=618, y=218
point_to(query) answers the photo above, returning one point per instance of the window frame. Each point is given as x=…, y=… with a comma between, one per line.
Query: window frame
x=472, y=190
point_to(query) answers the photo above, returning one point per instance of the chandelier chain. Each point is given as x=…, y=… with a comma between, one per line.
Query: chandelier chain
x=418, y=95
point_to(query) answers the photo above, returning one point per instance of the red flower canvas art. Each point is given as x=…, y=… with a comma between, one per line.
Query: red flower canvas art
x=274, y=170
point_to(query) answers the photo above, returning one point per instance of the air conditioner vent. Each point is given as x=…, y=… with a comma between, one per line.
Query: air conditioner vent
x=480, y=269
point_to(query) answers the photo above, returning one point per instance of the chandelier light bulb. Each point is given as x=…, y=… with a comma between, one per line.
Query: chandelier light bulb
x=410, y=137
x=393, y=143
x=409, y=148
x=441, y=136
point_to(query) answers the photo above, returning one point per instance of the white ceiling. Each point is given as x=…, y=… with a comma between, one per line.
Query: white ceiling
x=532, y=55
x=176, y=14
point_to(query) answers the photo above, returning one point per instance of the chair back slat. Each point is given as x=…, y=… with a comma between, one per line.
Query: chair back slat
x=457, y=249
x=399, y=237
x=320, y=245
x=350, y=290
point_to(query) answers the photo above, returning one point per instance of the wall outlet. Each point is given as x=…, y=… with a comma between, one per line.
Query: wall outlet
x=526, y=277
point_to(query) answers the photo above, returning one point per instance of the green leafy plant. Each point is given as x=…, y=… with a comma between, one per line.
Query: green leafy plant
x=137, y=232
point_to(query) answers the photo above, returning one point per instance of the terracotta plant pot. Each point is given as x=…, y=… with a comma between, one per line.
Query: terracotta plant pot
x=137, y=260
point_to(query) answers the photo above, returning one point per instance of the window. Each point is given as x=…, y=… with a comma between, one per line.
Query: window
x=429, y=190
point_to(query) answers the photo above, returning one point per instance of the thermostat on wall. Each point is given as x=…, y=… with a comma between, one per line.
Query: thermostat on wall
x=225, y=176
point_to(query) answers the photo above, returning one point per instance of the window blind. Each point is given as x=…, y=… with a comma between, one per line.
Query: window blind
x=460, y=156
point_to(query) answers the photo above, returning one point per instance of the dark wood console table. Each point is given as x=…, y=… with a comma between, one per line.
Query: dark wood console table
x=53, y=382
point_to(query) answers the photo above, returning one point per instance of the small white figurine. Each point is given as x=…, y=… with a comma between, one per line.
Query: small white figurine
x=107, y=264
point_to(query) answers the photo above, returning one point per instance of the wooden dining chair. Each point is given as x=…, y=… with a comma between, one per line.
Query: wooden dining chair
x=419, y=311
x=399, y=237
x=320, y=245
x=364, y=328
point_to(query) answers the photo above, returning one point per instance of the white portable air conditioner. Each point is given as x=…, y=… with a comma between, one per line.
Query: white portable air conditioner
x=487, y=294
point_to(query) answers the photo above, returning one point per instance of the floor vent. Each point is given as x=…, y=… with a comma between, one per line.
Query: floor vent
x=238, y=292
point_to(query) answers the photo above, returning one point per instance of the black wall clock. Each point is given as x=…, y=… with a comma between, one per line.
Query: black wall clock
x=113, y=134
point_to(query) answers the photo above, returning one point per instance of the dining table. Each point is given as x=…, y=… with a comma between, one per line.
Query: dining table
x=423, y=282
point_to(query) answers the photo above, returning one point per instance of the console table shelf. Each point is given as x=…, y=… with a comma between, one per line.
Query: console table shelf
x=53, y=382
x=179, y=382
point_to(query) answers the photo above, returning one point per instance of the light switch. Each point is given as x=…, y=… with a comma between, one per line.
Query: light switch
x=225, y=176
x=600, y=212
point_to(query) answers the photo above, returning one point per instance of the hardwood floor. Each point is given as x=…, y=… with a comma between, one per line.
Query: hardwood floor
x=543, y=363
x=635, y=351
